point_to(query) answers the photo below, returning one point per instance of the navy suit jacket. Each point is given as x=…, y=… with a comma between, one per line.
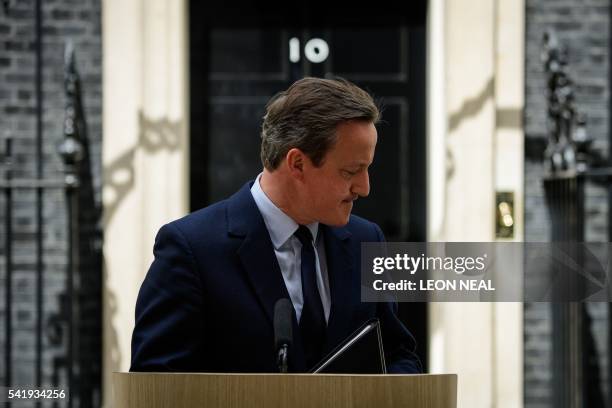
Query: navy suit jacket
x=207, y=301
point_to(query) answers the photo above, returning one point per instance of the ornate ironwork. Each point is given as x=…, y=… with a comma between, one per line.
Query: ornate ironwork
x=568, y=142
x=71, y=149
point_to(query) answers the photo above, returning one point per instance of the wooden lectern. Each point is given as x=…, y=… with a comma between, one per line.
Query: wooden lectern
x=153, y=390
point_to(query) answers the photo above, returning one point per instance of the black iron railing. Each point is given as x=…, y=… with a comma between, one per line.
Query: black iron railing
x=570, y=165
x=78, y=367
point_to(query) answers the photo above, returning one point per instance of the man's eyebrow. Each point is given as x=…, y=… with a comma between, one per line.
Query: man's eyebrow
x=358, y=164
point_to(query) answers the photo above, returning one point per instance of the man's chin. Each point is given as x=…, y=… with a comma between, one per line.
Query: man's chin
x=339, y=221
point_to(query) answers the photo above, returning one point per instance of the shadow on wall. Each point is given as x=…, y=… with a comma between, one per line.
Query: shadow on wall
x=155, y=135
x=505, y=118
x=471, y=106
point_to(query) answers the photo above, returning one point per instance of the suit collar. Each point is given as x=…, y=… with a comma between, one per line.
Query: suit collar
x=256, y=251
x=242, y=212
x=258, y=259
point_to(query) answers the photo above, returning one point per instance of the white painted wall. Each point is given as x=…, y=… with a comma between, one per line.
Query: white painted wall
x=145, y=156
x=475, y=75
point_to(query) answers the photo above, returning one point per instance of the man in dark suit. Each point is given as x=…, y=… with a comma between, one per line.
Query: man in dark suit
x=207, y=301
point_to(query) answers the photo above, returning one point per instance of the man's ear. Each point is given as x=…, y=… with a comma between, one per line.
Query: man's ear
x=295, y=162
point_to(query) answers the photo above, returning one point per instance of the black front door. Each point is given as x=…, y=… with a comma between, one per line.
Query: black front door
x=241, y=55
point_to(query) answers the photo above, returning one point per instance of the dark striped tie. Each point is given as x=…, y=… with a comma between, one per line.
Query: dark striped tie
x=312, y=320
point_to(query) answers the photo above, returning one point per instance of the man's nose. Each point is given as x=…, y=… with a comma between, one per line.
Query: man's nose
x=361, y=185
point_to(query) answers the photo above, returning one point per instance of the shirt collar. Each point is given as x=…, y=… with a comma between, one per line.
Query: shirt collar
x=280, y=226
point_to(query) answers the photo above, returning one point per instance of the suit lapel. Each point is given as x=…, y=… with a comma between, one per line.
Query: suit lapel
x=340, y=269
x=258, y=259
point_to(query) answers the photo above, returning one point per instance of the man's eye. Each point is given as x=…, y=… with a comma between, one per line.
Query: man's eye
x=350, y=173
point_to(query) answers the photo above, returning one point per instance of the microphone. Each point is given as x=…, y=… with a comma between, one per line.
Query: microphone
x=283, y=332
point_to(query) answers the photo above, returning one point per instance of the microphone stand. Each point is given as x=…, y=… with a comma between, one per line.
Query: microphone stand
x=281, y=360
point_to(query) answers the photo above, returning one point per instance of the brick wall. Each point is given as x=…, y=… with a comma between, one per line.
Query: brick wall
x=583, y=26
x=78, y=20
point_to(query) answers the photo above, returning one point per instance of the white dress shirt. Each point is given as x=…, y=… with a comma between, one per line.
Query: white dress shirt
x=288, y=250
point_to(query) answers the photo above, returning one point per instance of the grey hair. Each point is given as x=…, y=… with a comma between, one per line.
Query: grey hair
x=306, y=116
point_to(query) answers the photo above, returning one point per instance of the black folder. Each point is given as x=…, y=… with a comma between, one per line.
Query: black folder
x=360, y=353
